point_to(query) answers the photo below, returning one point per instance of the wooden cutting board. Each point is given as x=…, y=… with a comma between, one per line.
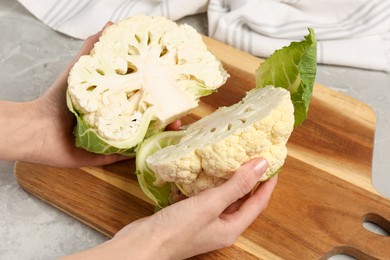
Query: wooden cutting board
x=323, y=195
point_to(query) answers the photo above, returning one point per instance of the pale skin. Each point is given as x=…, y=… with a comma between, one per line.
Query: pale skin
x=40, y=131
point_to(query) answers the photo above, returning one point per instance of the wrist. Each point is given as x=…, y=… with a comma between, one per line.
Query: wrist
x=17, y=140
x=139, y=240
x=148, y=240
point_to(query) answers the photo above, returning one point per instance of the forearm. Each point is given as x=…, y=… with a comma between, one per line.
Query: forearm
x=139, y=240
x=115, y=250
x=19, y=130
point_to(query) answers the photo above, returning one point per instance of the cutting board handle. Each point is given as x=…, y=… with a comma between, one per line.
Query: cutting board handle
x=378, y=220
x=349, y=251
x=376, y=241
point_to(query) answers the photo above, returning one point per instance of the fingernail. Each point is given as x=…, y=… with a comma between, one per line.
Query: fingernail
x=259, y=166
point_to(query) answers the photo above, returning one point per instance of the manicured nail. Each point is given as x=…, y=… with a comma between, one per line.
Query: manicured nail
x=259, y=166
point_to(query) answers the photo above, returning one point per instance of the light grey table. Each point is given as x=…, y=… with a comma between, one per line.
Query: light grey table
x=31, y=57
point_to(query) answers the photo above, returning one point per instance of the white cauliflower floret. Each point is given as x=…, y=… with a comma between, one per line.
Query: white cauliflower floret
x=184, y=170
x=258, y=126
x=203, y=182
x=141, y=64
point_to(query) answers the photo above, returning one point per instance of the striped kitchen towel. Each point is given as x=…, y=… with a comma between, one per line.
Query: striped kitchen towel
x=350, y=32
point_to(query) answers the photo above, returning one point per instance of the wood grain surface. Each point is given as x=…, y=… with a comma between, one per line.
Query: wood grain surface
x=323, y=196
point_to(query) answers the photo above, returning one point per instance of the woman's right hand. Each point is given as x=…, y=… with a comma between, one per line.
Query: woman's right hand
x=211, y=220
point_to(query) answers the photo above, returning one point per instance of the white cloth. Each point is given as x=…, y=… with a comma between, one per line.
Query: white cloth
x=350, y=32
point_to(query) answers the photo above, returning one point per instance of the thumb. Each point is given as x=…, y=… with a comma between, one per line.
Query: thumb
x=242, y=181
x=87, y=47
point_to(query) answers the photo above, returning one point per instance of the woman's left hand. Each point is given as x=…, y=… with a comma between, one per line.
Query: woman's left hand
x=54, y=143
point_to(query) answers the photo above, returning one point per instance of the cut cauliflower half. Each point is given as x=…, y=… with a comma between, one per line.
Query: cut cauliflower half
x=208, y=152
x=144, y=72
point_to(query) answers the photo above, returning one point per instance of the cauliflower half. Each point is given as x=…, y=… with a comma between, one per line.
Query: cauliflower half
x=144, y=72
x=208, y=152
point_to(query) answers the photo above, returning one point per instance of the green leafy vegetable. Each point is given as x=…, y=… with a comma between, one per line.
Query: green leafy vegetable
x=292, y=68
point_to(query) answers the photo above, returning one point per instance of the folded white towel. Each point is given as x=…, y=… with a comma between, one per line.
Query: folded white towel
x=350, y=33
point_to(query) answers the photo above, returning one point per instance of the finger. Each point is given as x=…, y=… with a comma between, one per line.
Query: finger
x=85, y=49
x=87, y=46
x=81, y=158
x=178, y=197
x=97, y=160
x=240, y=184
x=174, y=126
x=236, y=205
x=91, y=40
x=92, y=159
x=252, y=207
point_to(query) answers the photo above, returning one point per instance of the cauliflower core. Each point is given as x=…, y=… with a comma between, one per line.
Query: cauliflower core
x=142, y=64
x=212, y=148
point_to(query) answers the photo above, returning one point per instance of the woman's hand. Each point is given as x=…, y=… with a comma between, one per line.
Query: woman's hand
x=41, y=131
x=55, y=143
x=211, y=220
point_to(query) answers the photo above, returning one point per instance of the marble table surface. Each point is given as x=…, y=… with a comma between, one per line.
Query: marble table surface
x=31, y=57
